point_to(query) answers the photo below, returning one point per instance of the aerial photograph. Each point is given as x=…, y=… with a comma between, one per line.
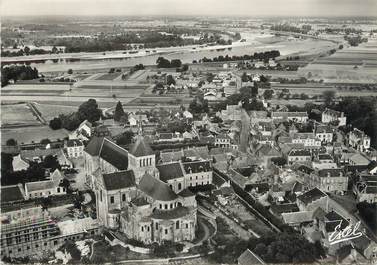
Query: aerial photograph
x=188, y=133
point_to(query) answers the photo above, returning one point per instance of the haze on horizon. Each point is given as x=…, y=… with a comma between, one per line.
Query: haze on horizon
x=301, y=8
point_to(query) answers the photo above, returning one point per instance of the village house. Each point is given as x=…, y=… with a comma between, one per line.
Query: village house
x=330, y=115
x=324, y=133
x=75, y=148
x=331, y=180
x=223, y=140
x=312, y=199
x=45, y=188
x=19, y=164
x=359, y=140
x=300, y=117
x=299, y=156
x=307, y=139
x=232, y=112
x=169, y=137
x=323, y=161
x=365, y=188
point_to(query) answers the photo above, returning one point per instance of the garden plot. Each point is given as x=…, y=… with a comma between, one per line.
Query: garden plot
x=17, y=115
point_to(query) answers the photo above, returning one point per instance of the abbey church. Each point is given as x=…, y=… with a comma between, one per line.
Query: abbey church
x=132, y=196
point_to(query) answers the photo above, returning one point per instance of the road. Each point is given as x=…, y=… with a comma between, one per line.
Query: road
x=245, y=131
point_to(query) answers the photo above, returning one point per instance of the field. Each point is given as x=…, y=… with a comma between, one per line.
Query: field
x=352, y=65
x=29, y=134
x=49, y=111
x=16, y=115
x=108, y=76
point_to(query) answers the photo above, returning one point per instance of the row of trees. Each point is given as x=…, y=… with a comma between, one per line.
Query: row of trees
x=28, y=51
x=289, y=28
x=264, y=56
x=87, y=111
x=17, y=72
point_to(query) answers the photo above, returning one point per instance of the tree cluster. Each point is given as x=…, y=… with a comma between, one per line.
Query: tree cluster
x=87, y=111
x=125, y=138
x=17, y=72
x=199, y=105
x=165, y=63
x=35, y=172
x=285, y=248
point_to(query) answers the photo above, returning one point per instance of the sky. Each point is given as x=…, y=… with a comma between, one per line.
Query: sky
x=190, y=7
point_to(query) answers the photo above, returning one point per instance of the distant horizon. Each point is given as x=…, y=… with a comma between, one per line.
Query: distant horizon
x=206, y=8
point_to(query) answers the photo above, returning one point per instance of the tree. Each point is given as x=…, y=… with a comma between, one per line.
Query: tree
x=55, y=123
x=45, y=141
x=51, y=162
x=89, y=111
x=27, y=50
x=185, y=67
x=170, y=80
x=303, y=96
x=125, y=138
x=54, y=50
x=244, y=77
x=119, y=112
x=163, y=63
x=267, y=94
x=11, y=142
x=70, y=71
x=175, y=63
x=254, y=90
x=328, y=97
x=199, y=105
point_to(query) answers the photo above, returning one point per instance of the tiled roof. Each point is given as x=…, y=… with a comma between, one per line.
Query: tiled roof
x=325, y=157
x=166, y=136
x=40, y=185
x=311, y=195
x=114, y=154
x=331, y=172
x=140, y=201
x=299, y=152
x=156, y=189
x=217, y=180
x=284, y=208
x=305, y=169
x=74, y=143
x=119, y=180
x=186, y=193
x=171, y=156
x=11, y=193
x=170, y=171
x=297, y=217
x=94, y=146
x=332, y=219
x=31, y=154
x=249, y=258
x=197, y=166
x=288, y=114
x=141, y=148
x=108, y=151
x=175, y=213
